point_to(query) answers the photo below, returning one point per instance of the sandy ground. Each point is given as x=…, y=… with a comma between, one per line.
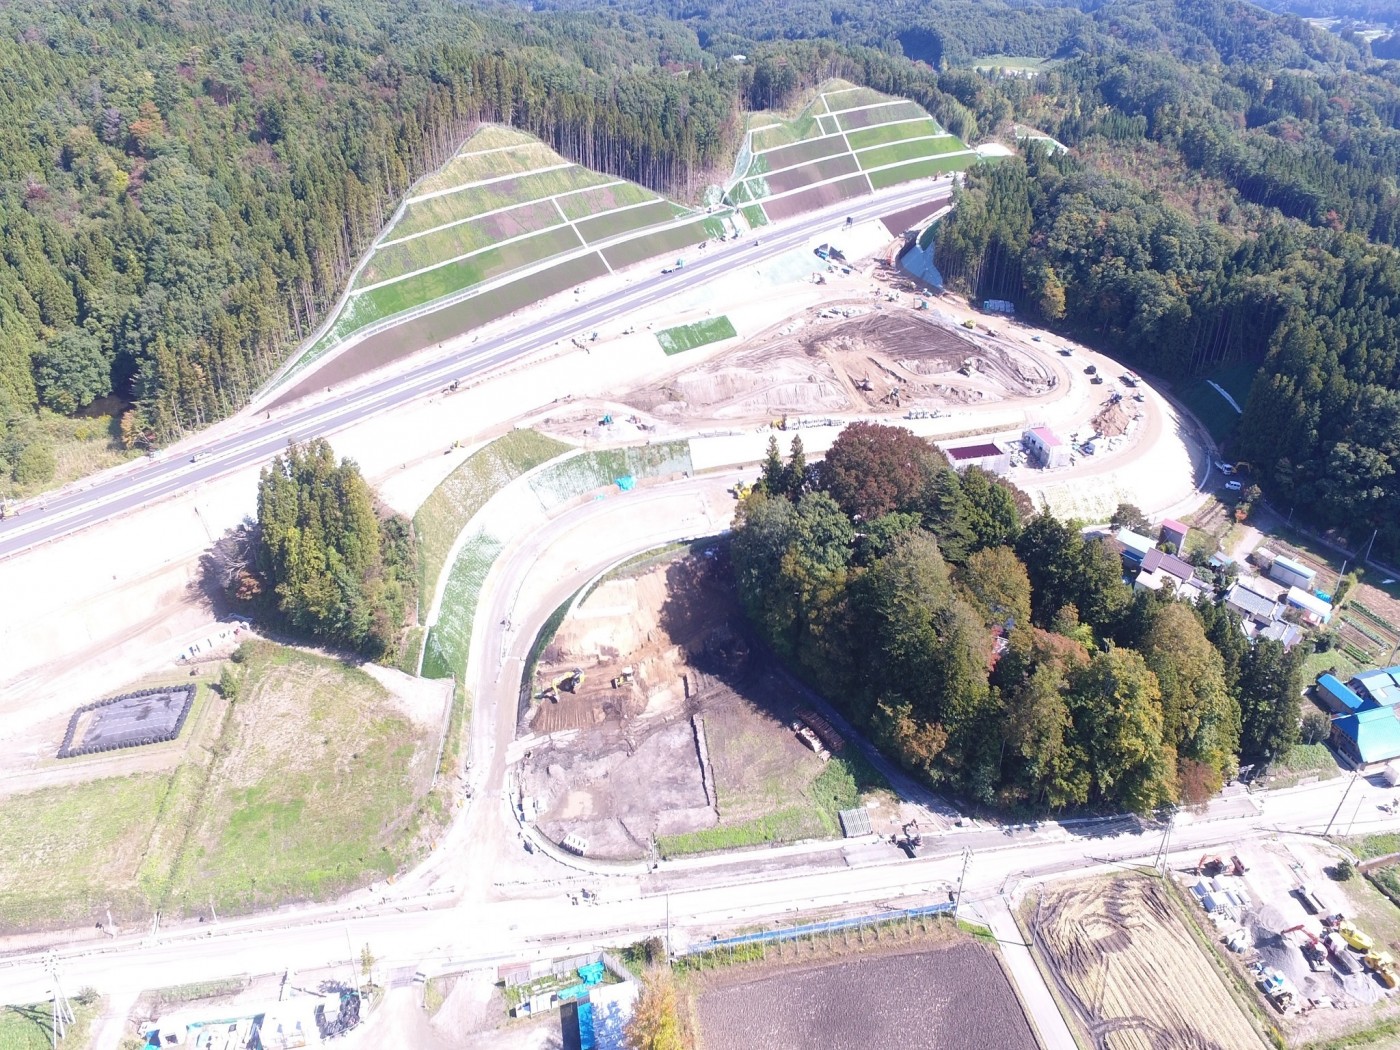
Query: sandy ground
x=101, y=608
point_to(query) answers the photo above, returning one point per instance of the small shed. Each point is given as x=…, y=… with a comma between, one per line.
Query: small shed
x=985, y=455
x=1292, y=573
x=1174, y=532
x=1313, y=608
x=1391, y=774
x=1134, y=547
x=1045, y=447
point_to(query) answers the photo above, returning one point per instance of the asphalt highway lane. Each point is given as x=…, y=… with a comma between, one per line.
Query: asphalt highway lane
x=82, y=505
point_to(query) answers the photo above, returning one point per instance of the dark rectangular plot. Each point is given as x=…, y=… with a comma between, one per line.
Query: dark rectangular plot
x=407, y=338
x=804, y=152
x=612, y=224
x=132, y=720
x=661, y=242
x=905, y=218
x=795, y=178
x=864, y=118
x=816, y=197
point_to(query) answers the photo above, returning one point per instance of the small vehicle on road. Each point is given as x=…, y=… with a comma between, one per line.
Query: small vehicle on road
x=199, y=457
x=1233, y=486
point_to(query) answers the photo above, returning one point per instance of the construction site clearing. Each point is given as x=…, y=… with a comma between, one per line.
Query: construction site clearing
x=857, y=354
x=653, y=713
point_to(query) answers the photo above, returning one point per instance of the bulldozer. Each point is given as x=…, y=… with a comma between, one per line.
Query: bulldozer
x=1383, y=966
x=741, y=490
x=624, y=678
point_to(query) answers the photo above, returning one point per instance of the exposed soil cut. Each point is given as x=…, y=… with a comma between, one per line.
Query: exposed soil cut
x=879, y=361
x=659, y=737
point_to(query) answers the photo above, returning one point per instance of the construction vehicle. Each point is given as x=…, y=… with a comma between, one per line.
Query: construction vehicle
x=1313, y=950
x=921, y=304
x=606, y=421
x=623, y=679
x=571, y=682
x=1354, y=937
x=1237, y=866
x=1275, y=986
x=741, y=490
x=1341, y=957
x=1210, y=865
x=969, y=325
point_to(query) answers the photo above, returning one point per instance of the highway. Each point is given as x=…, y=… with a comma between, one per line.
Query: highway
x=260, y=436
x=460, y=910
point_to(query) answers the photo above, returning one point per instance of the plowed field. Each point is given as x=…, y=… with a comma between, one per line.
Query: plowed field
x=1132, y=974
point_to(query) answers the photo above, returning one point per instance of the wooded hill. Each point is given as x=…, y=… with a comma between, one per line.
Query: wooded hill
x=886, y=579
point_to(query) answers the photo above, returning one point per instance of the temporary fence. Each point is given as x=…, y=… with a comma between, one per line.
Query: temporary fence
x=857, y=923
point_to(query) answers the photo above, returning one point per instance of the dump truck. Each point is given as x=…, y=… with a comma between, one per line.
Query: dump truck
x=1341, y=957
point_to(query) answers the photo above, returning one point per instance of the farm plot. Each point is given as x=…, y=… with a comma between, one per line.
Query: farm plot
x=410, y=336
x=1132, y=974
x=816, y=197
x=807, y=174
x=838, y=98
x=798, y=153
x=423, y=215
x=651, y=245
x=616, y=223
x=477, y=163
x=920, y=169
x=885, y=133
x=585, y=203
x=460, y=274
x=890, y=111
x=915, y=149
x=689, y=336
x=954, y=998
x=425, y=249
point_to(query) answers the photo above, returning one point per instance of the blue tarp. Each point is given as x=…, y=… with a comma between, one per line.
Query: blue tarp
x=626, y=483
x=919, y=263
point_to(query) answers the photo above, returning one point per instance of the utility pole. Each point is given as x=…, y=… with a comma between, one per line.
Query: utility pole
x=1367, y=556
x=668, y=926
x=354, y=984
x=957, y=901
x=1160, y=864
x=1355, y=776
x=62, y=1011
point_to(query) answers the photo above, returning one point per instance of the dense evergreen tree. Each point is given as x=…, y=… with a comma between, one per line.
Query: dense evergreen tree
x=336, y=571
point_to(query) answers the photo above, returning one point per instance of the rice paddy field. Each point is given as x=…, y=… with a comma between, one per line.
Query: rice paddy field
x=849, y=141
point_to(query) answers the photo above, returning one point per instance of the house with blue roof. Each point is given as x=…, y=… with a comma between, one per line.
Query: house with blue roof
x=1365, y=727
x=1369, y=737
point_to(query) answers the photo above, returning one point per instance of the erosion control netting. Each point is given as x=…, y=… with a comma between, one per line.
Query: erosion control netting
x=131, y=720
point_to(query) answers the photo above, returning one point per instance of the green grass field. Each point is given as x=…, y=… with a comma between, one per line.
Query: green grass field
x=449, y=640
x=472, y=235
x=1030, y=62
x=753, y=215
x=898, y=152
x=839, y=98
x=450, y=506
x=31, y=1027
x=266, y=807
x=886, y=133
x=657, y=245
x=616, y=223
x=422, y=288
x=429, y=214
x=689, y=336
x=591, y=202
x=800, y=810
x=920, y=169
x=471, y=165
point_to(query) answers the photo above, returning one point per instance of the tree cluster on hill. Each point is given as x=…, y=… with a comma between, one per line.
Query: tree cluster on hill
x=183, y=192
x=323, y=559
x=994, y=652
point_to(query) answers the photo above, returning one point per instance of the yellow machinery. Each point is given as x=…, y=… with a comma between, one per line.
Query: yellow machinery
x=1355, y=937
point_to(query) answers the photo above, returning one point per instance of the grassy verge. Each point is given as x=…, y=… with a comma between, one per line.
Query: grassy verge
x=810, y=812
x=445, y=513
x=31, y=1027
x=79, y=447
x=688, y=337
x=1302, y=761
x=308, y=785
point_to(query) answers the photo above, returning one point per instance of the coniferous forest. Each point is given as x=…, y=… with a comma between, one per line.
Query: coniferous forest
x=183, y=190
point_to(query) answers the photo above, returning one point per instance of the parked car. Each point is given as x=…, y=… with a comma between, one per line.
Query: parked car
x=1233, y=486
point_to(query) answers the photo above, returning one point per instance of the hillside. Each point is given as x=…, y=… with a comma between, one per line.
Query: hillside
x=848, y=141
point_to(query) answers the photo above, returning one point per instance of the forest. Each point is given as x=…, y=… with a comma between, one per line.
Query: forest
x=182, y=194
x=994, y=652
